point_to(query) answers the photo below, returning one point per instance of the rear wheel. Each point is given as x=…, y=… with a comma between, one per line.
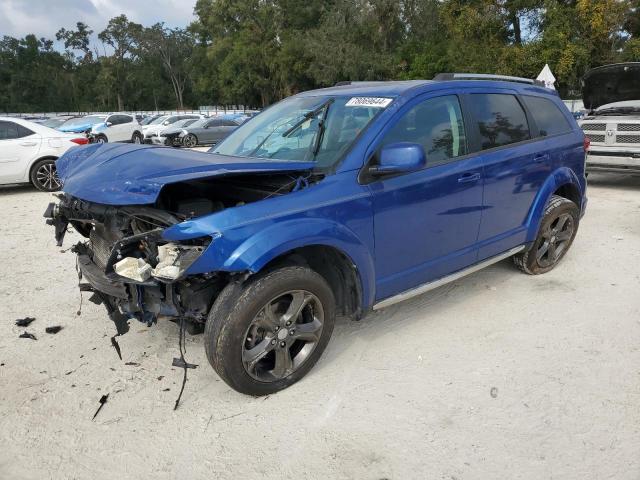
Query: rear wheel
x=136, y=138
x=267, y=335
x=44, y=176
x=557, y=230
x=190, y=140
x=101, y=139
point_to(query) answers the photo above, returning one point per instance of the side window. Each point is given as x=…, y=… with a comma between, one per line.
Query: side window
x=113, y=120
x=125, y=119
x=501, y=119
x=548, y=116
x=215, y=123
x=11, y=131
x=437, y=125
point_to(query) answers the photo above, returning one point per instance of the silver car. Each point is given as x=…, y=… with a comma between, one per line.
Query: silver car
x=612, y=95
x=208, y=131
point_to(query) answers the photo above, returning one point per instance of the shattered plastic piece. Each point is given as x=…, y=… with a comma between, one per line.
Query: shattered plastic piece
x=133, y=268
x=103, y=400
x=24, y=322
x=133, y=364
x=168, y=266
x=178, y=362
x=53, y=330
x=28, y=335
x=115, y=344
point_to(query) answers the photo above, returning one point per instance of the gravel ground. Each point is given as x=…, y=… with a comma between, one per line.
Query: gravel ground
x=496, y=376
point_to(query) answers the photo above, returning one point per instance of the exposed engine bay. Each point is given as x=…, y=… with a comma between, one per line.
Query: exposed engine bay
x=133, y=270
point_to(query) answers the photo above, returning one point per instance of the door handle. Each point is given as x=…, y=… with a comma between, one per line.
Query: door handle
x=469, y=177
x=29, y=144
x=541, y=157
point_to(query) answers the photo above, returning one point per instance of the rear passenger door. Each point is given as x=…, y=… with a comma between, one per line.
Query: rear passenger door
x=18, y=147
x=120, y=130
x=515, y=167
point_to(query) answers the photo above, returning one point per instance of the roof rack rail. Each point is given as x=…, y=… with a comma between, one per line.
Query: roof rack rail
x=486, y=76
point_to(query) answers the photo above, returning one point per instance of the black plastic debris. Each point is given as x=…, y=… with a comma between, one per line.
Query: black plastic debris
x=103, y=400
x=53, y=330
x=181, y=363
x=24, y=322
x=28, y=335
x=115, y=344
x=133, y=364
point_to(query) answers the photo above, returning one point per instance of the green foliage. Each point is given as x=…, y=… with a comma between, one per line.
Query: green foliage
x=254, y=52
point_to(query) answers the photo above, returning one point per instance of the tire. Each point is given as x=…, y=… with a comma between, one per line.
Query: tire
x=101, y=139
x=137, y=138
x=44, y=177
x=190, y=140
x=557, y=231
x=238, y=324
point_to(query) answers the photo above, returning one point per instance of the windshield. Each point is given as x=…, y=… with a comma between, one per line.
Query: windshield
x=53, y=122
x=158, y=120
x=183, y=123
x=148, y=120
x=199, y=123
x=88, y=120
x=316, y=129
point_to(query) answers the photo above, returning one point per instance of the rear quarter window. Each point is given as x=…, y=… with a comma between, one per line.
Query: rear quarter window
x=548, y=117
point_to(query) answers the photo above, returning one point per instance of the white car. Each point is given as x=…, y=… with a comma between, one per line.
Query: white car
x=28, y=152
x=117, y=127
x=159, y=124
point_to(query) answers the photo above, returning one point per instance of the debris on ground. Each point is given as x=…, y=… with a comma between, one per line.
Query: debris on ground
x=53, y=330
x=24, y=322
x=134, y=364
x=181, y=363
x=115, y=344
x=28, y=335
x=494, y=392
x=103, y=400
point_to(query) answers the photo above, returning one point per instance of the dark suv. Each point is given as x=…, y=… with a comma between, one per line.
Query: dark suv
x=332, y=202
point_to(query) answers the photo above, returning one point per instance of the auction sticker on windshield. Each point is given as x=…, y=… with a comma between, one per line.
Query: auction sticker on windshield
x=376, y=102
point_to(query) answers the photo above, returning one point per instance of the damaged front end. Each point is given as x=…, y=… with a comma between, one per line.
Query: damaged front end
x=130, y=268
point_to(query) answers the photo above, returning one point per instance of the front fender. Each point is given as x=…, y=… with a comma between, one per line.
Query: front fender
x=254, y=252
x=561, y=176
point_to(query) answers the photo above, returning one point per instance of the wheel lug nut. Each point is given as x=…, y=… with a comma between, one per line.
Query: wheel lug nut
x=292, y=331
x=273, y=342
x=283, y=344
x=277, y=328
x=288, y=323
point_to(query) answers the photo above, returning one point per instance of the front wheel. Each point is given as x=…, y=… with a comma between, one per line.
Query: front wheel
x=44, y=176
x=100, y=139
x=265, y=336
x=136, y=138
x=190, y=140
x=557, y=230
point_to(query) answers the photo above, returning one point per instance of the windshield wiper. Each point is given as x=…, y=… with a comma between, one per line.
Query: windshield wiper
x=309, y=115
x=296, y=126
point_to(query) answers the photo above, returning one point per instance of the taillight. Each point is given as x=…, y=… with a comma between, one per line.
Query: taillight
x=586, y=144
x=80, y=140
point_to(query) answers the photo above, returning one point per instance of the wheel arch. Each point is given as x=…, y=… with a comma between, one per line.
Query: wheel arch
x=334, y=266
x=562, y=182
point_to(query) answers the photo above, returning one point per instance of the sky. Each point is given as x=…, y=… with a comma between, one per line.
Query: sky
x=45, y=17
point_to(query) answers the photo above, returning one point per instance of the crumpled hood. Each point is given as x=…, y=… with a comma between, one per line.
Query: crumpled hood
x=125, y=174
x=76, y=128
x=611, y=83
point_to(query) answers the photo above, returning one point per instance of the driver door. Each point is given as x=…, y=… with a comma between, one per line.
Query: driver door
x=426, y=222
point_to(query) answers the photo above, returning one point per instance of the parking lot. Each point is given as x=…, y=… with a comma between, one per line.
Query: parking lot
x=498, y=375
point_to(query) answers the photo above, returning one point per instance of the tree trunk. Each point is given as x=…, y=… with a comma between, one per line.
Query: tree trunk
x=120, y=103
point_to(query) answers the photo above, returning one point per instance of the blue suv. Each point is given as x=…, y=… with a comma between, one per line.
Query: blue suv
x=333, y=202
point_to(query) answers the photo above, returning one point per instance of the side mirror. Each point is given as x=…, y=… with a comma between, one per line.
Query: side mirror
x=165, y=123
x=402, y=157
x=108, y=124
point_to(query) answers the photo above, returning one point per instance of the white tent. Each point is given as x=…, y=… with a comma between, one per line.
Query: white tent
x=547, y=77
